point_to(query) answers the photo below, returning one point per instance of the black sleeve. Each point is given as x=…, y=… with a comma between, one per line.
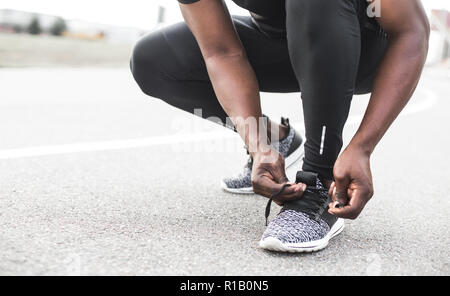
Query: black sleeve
x=187, y=1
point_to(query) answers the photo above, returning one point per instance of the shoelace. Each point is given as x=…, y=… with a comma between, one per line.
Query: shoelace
x=269, y=203
x=319, y=203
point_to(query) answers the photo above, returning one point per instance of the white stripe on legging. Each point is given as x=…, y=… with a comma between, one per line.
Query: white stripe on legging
x=322, y=142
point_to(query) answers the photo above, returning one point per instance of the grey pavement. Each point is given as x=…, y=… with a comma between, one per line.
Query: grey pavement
x=159, y=210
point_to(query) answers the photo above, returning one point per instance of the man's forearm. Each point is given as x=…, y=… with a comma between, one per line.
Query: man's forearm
x=237, y=90
x=394, y=85
x=231, y=74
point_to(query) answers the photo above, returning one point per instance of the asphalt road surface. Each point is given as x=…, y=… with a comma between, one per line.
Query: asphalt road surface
x=98, y=179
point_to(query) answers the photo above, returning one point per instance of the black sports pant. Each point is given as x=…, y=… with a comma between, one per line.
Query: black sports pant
x=329, y=53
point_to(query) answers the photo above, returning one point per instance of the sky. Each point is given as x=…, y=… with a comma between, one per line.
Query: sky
x=130, y=13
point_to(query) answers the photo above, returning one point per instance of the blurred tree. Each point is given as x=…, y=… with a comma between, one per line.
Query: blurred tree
x=58, y=27
x=34, y=27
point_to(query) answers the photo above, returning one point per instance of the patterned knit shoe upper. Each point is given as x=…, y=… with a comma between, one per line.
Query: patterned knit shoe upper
x=291, y=226
x=303, y=220
x=243, y=179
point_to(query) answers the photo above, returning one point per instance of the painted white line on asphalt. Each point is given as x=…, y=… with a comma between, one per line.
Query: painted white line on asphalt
x=428, y=102
x=113, y=145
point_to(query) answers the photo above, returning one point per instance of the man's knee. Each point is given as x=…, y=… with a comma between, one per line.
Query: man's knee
x=145, y=65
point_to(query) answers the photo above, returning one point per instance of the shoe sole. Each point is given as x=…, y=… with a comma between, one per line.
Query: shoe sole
x=289, y=161
x=274, y=244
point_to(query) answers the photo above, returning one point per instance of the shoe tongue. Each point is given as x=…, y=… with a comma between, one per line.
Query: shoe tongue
x=307, y=178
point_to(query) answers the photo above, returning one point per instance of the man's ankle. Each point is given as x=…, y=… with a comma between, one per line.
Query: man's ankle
x=283, y=131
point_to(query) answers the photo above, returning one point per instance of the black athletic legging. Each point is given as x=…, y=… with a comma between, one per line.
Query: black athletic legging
x=328, y=53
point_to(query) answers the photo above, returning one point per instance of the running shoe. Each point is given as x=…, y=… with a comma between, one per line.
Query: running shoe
x=303, y=225
x=291, y=148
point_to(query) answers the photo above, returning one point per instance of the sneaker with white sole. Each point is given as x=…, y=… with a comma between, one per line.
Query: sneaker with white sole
x=291, y=148
x=303, y=225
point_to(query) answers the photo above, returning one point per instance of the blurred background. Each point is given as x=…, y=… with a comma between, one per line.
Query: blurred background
x=98, y=178
x=80, y=33
x=50, y=33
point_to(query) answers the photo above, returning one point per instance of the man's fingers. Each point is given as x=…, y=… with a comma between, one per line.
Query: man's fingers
x=353, y=209
x=279, y=174
x=339, y=193
x=291, y=192
x=332, y=189
x=266, y=186
x=295, y=192
x=346, y=212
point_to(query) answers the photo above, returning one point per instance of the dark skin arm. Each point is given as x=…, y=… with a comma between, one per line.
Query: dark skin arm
x=406, y=23
x=237, y=90
x=236, y=87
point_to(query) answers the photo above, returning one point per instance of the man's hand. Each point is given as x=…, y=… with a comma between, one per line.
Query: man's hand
x=353, y=186
x=268, y=176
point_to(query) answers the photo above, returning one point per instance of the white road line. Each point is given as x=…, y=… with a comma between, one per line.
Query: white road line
x=420, y=106
x=113, y=145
